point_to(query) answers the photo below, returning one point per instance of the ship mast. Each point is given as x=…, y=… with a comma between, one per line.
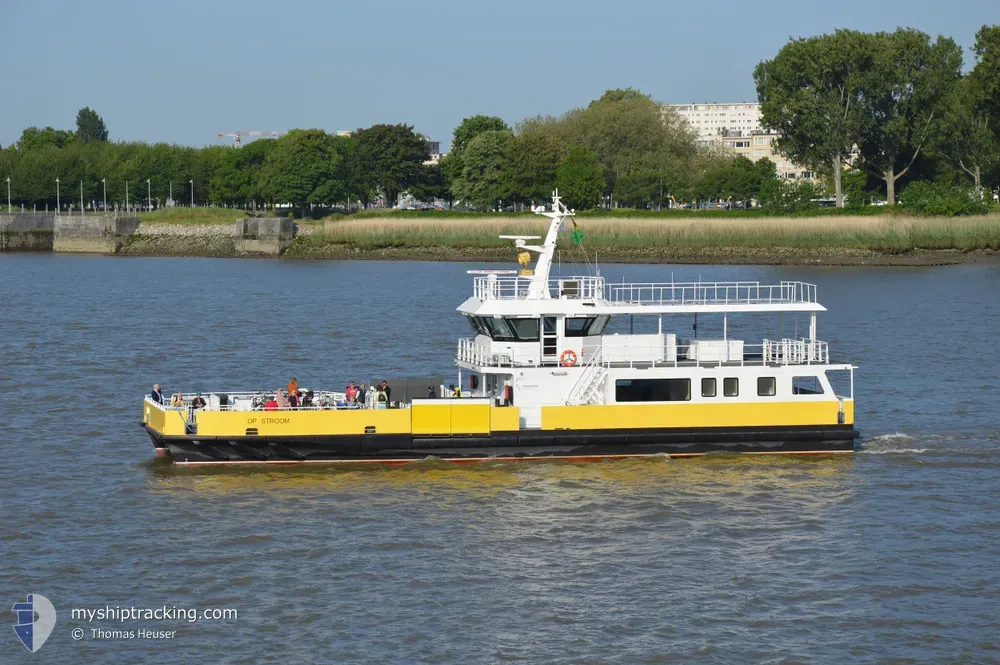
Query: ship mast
x=539, y=285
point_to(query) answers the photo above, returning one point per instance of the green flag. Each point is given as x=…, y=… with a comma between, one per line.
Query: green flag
x=576, y=236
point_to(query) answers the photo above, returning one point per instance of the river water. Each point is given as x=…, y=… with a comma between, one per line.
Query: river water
x=890, y=555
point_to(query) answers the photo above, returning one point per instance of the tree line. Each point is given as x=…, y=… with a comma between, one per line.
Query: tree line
x=868, y=112
x=889, y=104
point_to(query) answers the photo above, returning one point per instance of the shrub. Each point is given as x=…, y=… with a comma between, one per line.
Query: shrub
x=938, y=198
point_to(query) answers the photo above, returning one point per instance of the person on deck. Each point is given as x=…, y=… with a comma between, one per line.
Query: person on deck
x=388, y=393
x=381, y=399
x=293, y=386
x=431, y=393
x=198, y=402
x=455, y=392
x=156, y=395
x=177, y=399
x=280, y=398
x=351, y=392
x=271, y=405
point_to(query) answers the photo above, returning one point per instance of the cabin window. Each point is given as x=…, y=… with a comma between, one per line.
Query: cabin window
x=767, y=386
x=652, y=390
x=731, y=387
x=708, y=387
x=477, y=325
x=586, y=326
x=526, y=330
x=806, y=385
x=498, y=329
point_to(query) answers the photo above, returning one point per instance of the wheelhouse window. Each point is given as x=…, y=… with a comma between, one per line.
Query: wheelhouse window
x=652, y=390
x=586, y=326
x=731, y=387
x=806, y=385
x=709, y=387
x=526, y=330
x=506, y=330
x=767, y=386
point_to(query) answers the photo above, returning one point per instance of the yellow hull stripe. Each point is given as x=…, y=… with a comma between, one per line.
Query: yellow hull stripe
x=689, y=416
x=448, y=419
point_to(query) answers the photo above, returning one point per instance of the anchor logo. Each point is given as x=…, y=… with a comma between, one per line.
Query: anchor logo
x=35, y=620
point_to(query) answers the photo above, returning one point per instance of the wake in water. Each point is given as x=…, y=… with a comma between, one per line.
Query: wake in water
x=977, y=443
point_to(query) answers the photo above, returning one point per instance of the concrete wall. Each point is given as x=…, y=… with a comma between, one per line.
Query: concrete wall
x=27, y=232
x=96, y=234
x=266, y=236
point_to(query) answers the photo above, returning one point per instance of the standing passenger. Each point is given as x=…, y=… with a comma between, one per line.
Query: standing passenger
x=156, y=395
x=293, y=386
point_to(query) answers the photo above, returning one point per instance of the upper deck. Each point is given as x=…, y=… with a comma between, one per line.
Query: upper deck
x=499, y=293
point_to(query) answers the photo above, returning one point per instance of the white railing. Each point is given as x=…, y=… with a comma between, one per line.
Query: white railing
x=494, y=287
x=666, y=353
x=796, y=351
x=255, y=401
x=590, y=379
x=710, y=293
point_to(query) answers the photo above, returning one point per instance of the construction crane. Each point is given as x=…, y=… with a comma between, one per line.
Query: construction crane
x=255, y=134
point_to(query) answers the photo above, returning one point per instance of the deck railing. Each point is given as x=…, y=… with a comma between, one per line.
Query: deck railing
x=689, y=354
x=497, y=287
x=710, y=293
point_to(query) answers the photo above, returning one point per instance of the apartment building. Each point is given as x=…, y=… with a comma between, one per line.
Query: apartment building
x=736, y=127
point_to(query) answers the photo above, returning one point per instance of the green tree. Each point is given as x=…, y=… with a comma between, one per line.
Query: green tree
x=987, y=71
x=643, y=188
x=237, y=180
x=580, y=179
x=394, y=154
x=485, y=166
x=967, y=137
x=431, y=185
x=90, y=127
x=812, y=93
x=34, y=138
x=531, y=166
x=302, y=169
x=467, y=130
x=626, y=131
x=906, y=88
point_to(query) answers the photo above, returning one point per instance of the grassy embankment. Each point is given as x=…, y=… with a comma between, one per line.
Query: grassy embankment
x=656, y=238
x=192, y=216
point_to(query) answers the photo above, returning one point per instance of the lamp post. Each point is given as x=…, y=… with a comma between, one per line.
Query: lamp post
x=8, y=195
x=81, y=198
x=170, y=197
x=126, y=197
x=58, y=209
x=149, y=195
x=192, y=192
x=104, y=181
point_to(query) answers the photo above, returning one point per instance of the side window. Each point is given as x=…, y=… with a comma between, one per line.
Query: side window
x=577, y=326
x=766, y=386
x=708, y=387
x=731, y=387
x=806, y=385
x=652, y=390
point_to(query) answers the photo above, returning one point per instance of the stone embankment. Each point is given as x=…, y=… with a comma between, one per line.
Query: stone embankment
x=247, y=237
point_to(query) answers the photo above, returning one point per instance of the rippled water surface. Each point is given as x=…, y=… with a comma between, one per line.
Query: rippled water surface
x=892, y=555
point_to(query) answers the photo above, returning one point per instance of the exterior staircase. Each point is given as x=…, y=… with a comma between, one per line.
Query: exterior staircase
x=589, y=387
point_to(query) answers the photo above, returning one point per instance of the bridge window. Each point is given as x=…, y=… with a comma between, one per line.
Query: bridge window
x=708, y=387
x=526, y=330
x=586, y=326
x=806, y=385
x=731, y=387
x=766, y=386
x=652, y=390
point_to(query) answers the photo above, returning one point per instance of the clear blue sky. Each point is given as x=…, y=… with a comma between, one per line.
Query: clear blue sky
x=182, y=71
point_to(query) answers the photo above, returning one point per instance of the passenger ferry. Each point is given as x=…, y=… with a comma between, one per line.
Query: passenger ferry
x=548, y=379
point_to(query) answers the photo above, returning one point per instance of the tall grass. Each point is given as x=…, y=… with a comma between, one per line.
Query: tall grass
x=890, y=234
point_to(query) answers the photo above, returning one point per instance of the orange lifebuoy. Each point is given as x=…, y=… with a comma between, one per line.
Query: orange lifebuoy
x=568, y=358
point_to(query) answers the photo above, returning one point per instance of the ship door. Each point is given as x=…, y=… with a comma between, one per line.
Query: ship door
x=550, y=341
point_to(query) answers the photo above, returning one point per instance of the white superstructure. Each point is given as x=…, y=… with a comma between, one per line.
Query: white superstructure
x=547, y=339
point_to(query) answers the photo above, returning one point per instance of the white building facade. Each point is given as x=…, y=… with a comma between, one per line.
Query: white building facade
x=736, y=127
